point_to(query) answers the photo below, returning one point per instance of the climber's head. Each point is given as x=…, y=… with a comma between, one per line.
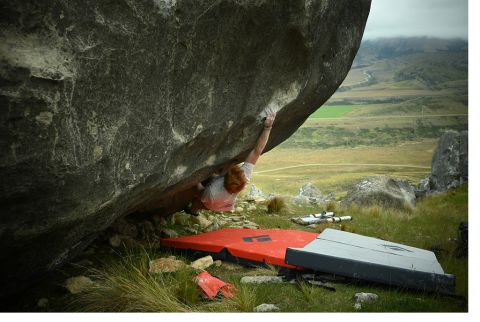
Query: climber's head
x=235, y=179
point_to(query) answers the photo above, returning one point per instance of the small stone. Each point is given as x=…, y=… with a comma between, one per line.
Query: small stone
x=236, y=218
x=357, y=306
x=78, y=284
x=234, y=226
x=365, y=297
x=115, y=241
x=42, y=303
x=266, y=308
x=250, y=226
x=169, y=233
x=159, y=221
x=202, y=221
x=191, y=230
x=238, y=209
x=251, y=208
x=123, y=227
x=180, y=218
x=165, y=265
x=147, y=230
x=217, y=263
x=212, y=227
x=202, y=263
x=261, y=279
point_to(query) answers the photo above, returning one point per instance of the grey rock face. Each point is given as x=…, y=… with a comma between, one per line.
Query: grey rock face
x=310, y=194
x=255, y=193
x=110, y=108
x=365, y=297
x=382, y=190
x=449, y=164
x=262, y=280
x=450, y=161
x=264, y=307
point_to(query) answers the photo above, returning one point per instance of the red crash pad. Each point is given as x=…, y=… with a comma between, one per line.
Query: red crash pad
x=260, y=245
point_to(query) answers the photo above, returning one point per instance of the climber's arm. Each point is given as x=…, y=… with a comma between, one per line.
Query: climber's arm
x=262, y=140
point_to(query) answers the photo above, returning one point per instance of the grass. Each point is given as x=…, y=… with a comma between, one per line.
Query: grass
x=124, y=284
x=284, y=171
x=332, y=111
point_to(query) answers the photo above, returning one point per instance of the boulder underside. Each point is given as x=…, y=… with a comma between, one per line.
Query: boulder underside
x=108, y=108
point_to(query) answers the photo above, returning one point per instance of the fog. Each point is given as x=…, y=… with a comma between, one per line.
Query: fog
x=406, y=18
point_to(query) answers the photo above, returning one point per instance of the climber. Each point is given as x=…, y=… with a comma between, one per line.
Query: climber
x=220, y=193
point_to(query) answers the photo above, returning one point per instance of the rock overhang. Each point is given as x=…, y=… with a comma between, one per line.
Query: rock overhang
x=108, y=106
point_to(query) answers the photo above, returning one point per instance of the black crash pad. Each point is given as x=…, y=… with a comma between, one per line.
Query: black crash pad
x=371, y=259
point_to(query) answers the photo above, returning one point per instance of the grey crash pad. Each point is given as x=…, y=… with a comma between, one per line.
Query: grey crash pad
x=372, y=259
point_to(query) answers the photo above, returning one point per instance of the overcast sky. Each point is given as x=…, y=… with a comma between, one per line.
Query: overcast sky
x=437, y=18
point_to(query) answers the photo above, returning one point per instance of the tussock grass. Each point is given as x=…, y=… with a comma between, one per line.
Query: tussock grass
x=331, y=205
x=125, y=285
x=276, y=205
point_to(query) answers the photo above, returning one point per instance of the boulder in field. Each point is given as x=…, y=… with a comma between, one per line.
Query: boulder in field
x=384, y=191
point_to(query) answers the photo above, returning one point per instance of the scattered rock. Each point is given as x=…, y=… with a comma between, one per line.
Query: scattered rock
x=310, y=194
x=78, y=284
x=251, y=208
x=159, y=222
x=382, y=190
x=261, y=279
x=238, y=209
x=212, y=227
x=165, y=265
x=191, y=230
x=180, y=218
x=266, y=308
x=115, y=241
x=250, y=226
x=235, y=226
x=217, y=263
x=423, y=187
x=147, y=230
x=450, y=161
x=201, y=221
x=202, y=263
x=365, y=297
x=122, y=227
x=169, y=233
x=42, y=303
x=255, y=194
x=357, y=306
x=236, y=218
x=449, y=164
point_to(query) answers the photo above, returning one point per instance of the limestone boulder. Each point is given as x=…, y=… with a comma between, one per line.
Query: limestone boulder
x=450, y=161
x=382, y=190
x=118, y=107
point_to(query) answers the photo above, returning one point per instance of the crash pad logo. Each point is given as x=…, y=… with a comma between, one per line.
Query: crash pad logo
x=260, y=239
x=396, y=248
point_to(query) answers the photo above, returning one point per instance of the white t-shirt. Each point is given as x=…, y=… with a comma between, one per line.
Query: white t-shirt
x=217, y=198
